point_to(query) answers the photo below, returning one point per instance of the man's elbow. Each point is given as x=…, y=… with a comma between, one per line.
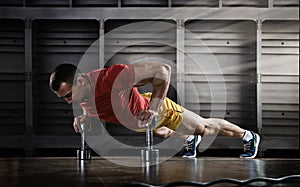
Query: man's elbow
x=167, y=68
x=166, y=71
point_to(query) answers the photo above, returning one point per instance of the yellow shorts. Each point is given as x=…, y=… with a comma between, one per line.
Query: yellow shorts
x=170, y=113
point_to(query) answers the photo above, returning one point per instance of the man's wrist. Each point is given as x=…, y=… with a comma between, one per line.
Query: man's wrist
x=155, y=104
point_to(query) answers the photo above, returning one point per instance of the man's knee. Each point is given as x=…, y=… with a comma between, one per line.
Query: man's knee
x=162, y=132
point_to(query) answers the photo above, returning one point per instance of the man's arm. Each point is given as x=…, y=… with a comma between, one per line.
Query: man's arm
x=158, y=75
x=78, y=120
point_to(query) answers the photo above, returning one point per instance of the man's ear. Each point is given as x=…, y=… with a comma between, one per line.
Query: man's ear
x=80, y=81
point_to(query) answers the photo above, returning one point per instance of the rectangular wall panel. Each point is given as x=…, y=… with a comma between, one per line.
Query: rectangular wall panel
x=280, y=80
x=286, y=3
x=56, y=42
x=220, y=68
x=144, y=3
x=11, y=3
x=249, y=3
x=193, y=3
x=46, y=3
x=95, y=3
x=12, y=77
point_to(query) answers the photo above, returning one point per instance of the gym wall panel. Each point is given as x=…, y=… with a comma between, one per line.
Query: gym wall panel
x=249, y=3
x=144, y=3
x=46, y=3
x=220, y=67
x=56, y=42
x=134, y=37
x=95, y=3
x=286, y=3
x=12, y=77
x=11, y=3
x=280, y=79
x=193, y=3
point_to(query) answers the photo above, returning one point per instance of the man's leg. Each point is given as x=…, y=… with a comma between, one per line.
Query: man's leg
x=190, y=141
x=200, y=126
x=164, y=132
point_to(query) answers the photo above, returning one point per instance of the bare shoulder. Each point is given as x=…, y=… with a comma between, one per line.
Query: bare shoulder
x=150, y=66
x=146, y=71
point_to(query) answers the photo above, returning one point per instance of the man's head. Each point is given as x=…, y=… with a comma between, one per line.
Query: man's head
x=68, y=83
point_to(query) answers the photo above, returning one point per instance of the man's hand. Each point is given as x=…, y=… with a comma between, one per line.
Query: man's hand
x=145, y=117
x=82, y=119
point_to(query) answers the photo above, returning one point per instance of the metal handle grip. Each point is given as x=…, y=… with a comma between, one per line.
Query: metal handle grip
x=149, y=132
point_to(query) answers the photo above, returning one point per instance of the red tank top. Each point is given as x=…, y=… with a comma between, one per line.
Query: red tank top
x=116, y=100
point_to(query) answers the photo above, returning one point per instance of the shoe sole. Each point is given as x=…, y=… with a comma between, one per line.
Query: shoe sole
x=256, y=150
x=193, y=156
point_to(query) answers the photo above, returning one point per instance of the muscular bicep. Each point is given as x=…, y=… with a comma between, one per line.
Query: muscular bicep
x=149, y=72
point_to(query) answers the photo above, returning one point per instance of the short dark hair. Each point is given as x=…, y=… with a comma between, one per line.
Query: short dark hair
x=62, y=73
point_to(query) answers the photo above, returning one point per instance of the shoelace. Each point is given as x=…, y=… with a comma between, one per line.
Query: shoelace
x=247, y=146
x=189, y=145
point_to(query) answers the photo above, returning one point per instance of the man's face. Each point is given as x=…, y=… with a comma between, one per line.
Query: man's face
x=65, y=92
x=69, y=93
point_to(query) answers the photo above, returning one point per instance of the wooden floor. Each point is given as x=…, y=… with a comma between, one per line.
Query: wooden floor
x=68, y=172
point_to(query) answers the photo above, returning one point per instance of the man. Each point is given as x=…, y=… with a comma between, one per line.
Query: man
x=111, y=94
